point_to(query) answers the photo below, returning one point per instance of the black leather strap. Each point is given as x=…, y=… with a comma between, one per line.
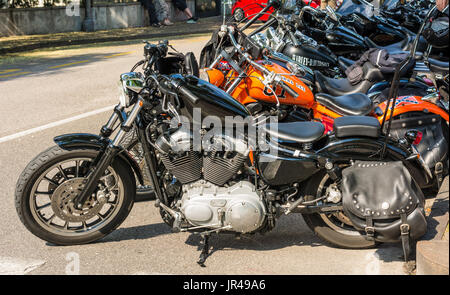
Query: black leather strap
x=370, y=231
x=404, y=230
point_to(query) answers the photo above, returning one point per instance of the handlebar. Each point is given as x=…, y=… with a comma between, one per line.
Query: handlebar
x=177, y=87
x=259, y=67
x=288, y=90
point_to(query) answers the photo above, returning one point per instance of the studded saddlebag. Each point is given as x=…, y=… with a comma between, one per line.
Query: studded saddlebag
x=383, y=200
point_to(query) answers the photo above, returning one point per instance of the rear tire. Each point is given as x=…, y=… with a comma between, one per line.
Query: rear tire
x=322, y=225
x=35, y=176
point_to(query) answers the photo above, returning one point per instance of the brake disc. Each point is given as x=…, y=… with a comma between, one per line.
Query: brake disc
x=63, y=206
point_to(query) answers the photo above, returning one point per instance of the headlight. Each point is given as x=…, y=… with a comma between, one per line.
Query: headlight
x=130, y=83
x=204, y=75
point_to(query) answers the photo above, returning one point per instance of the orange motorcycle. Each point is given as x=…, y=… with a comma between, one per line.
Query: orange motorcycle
x=263, y=84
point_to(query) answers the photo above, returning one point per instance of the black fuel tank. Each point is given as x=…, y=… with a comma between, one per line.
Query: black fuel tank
x=315, y=58
x=213, y=101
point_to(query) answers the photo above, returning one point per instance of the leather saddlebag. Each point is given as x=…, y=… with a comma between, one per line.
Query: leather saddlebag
x=383, y=200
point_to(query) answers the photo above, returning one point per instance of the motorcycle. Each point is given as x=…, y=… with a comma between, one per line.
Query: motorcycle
x=84, y=187
x=254, y=79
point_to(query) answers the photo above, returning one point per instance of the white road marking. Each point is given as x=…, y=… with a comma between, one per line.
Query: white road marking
x=18, y=266
x=54, y=124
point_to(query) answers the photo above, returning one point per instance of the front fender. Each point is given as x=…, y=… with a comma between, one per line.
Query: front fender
x=368, y=149
x=96, y=142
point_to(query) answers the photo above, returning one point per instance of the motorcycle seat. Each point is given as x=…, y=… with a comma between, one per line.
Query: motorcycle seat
x=338, y=87
x=356, y=126
x=437, y=66
x=402, y=46
x=301, y=132
x=356, y=104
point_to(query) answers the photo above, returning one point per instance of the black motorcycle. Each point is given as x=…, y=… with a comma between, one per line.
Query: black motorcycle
x=84, y=187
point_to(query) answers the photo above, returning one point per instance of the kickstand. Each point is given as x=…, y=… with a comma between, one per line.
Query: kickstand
x=205, y=251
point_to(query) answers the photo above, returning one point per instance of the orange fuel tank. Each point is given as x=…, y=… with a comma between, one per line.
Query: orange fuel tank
x=258, y=91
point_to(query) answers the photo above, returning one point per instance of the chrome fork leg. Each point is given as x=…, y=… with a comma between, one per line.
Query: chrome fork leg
x=106, y=158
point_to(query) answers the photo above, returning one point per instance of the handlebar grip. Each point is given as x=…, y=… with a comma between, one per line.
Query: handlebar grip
x=289, y=90
x=187, y=93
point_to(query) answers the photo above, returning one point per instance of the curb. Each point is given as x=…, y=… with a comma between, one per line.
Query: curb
x=432, y=252
x=95, y=40
x=432, y=258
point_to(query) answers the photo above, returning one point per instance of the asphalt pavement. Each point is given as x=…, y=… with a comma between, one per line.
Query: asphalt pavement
x=50, y=94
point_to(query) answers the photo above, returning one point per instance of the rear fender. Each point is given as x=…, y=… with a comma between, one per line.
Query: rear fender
x=407, y=104
x=367, y=149
x=98, y=143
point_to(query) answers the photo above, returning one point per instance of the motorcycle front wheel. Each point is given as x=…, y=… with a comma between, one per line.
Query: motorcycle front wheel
x=46, y=189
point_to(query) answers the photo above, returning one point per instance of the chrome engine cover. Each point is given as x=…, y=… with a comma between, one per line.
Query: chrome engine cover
x=236, y=208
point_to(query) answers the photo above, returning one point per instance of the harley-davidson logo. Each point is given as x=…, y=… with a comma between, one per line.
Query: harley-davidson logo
x=309, y=62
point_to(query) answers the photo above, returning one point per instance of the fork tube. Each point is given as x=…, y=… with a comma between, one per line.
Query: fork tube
x=235, y=83
x=126, y=126
x=107, y=157
x=216, y=61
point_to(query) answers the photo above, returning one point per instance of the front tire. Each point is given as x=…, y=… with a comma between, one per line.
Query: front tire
x=51, y=180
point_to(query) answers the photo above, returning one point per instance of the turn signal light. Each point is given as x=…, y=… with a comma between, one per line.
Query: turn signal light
x=414, y=136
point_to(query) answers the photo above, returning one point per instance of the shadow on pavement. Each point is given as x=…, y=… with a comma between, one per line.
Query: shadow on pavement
x=141, y=232
x=52, y=65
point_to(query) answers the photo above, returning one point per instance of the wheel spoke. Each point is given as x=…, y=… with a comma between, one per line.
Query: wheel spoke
x=77, y=168
x=50, y=180
x=48, y=221
x=43, y=193
x=43, y=207
x=62, y=172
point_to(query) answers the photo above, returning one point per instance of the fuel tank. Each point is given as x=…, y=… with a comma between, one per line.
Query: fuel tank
x=258, y=91
x=213, y=101
x=315, y=58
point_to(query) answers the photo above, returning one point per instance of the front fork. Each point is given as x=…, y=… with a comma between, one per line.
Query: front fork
x=109, y=153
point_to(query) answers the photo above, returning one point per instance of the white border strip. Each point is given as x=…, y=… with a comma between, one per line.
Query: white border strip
x=54, y=124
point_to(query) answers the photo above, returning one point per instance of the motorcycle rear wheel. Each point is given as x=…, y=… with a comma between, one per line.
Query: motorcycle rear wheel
x=335, y=228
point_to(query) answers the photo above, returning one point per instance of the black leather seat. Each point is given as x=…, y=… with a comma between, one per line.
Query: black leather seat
x=401, y=46
x=337, y=87
x=356, y=126
x=356, y=104
x=301, y=132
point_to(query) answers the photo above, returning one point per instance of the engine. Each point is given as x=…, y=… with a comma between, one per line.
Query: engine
x=209, y=199
x=236, y=208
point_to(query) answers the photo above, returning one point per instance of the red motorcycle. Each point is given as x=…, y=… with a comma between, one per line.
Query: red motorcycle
x=250, y=8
